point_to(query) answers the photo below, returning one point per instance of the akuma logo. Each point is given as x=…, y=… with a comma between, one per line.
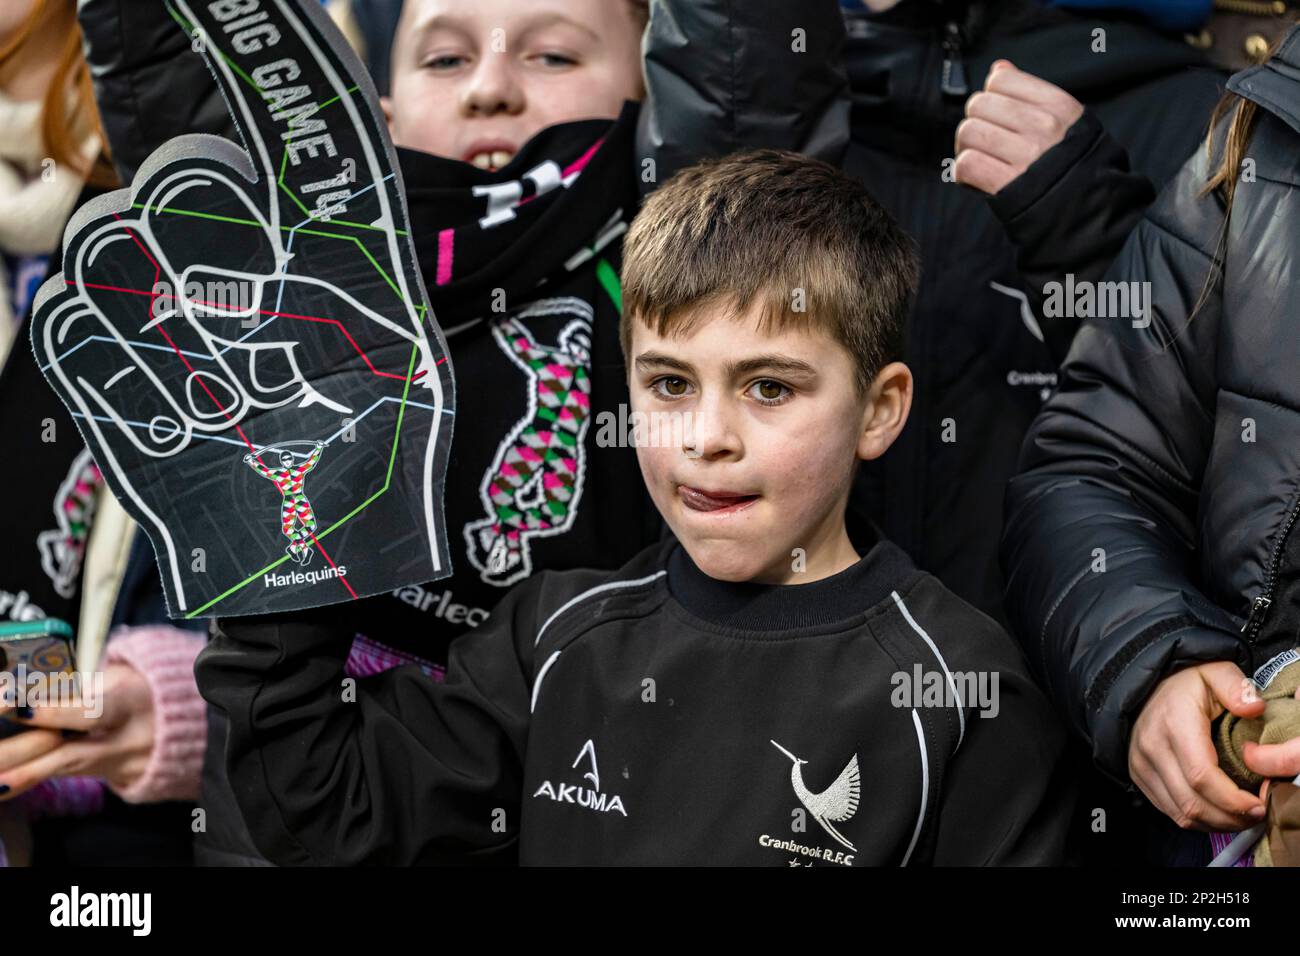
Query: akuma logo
x=590, y=797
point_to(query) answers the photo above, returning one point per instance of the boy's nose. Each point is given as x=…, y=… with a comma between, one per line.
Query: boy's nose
x=492, y=88
x=710, y=433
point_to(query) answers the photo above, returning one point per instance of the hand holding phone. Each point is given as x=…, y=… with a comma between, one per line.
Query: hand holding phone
x=32, y=652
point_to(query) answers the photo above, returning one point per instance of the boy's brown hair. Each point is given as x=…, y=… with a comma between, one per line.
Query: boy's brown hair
x=779, y=229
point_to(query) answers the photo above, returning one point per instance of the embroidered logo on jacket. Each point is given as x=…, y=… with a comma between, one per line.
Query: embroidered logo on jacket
x=836, y=804
x=63, y=548
x=590, y=797
x=532, y=488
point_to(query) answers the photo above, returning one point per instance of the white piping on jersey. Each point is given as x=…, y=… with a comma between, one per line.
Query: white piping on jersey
x=961, y=706
x=590, y=591
x=1026, y=310
x=925, y=782
x=609, y=585
x=537, y=684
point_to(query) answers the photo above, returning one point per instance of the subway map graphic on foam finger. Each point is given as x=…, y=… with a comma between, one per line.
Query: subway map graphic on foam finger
x=244, y=340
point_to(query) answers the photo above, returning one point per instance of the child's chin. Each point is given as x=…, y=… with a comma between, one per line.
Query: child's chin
x=721, y=561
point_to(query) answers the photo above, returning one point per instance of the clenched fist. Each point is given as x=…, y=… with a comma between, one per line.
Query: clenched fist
x=1015, y=119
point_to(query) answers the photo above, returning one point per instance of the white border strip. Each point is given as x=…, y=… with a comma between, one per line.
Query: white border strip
x=610, y=585
x=925, y=784
x=537, y=684
x=961, y=705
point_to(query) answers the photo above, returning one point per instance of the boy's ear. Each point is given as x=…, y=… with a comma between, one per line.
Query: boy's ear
x=386, y=104
x=889, y=399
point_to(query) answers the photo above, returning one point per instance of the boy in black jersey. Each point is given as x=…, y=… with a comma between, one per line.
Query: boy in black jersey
x=770, y=686
x=523, y=159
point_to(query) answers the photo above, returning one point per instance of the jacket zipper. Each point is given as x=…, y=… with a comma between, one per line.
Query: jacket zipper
x=1259, y=607
x=952, y=78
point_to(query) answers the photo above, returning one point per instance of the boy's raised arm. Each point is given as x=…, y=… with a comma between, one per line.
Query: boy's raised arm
x=1069, y=214
x=393, y=769
x=1058, y=182
x=723, y=76
x=150, y=85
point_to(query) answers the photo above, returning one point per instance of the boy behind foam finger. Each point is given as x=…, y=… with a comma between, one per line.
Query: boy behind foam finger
x=775, y=685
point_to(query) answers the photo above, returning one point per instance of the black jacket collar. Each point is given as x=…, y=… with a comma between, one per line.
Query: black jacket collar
x=1275, y=84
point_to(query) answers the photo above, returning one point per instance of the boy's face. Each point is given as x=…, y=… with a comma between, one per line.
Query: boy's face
x=475, y=79
x=760, y=455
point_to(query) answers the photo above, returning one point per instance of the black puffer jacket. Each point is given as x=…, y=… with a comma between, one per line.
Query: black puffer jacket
x=983, y=353
x=1151, y=527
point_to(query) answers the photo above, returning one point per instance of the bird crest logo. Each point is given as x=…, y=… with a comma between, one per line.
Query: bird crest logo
x=836, y=804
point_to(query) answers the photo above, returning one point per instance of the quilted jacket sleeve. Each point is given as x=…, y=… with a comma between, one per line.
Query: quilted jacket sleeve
x=1100, y=533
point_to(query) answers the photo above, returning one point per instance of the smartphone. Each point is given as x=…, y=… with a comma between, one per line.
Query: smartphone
x=28, y=647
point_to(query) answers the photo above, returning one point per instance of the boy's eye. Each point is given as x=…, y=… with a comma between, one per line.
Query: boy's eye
x=670, y=387
x=446, y=61
x=769, y=392
x=555, y=60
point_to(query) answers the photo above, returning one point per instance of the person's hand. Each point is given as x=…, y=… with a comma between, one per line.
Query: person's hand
x=1280, y=761
x=1171, y=755
x=1015, y=119
x=67, y=741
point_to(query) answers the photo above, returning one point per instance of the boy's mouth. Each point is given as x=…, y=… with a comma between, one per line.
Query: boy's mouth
x=491, y=157
x=699, y=499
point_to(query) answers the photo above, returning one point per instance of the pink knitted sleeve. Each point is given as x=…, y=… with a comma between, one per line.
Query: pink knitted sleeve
x=165, y=656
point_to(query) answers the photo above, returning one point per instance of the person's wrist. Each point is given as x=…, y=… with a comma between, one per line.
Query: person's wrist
x=163, y=657
x=131, y=688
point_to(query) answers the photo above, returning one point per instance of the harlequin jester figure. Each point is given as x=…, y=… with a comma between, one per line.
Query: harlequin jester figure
x=297, y=520
x=532, y=487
